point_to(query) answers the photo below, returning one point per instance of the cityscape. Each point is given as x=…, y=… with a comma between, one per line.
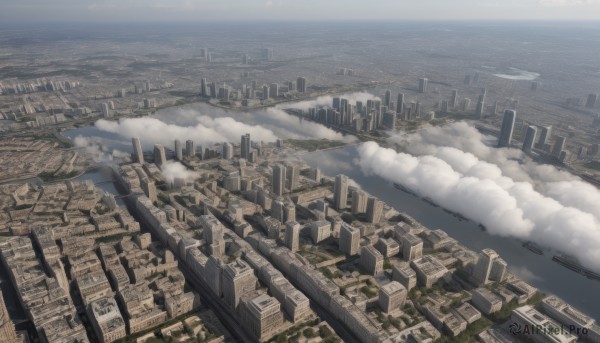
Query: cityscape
x=272, y=179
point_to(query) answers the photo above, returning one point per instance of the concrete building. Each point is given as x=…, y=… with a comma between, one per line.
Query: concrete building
x=423, y=85
x=359, y=202
x=539, y=327
x=160, y=158
x=245, y=146
x=404, y=274
x=340, y=194
x=178, y=150
x=374, y=210
x=559, y=145
x=490, y=267
x=106, y=320
x=292, y=174
x=227, y=152
x=349, y=239
x=529, y=139
x=301, y=85
x=278, y=179
x=320, y=231
x=138, y=153
x=189, y=148
x=238, y=280
x=545, y=134
x=566, y=314
x=391, y=296
x=591, y=101
x=371, y=260
x=508, y=126
x=486, y=301
x=262, y=316
x=292, y=235
x=429, y=270
x=400, y=103
x=412, y=247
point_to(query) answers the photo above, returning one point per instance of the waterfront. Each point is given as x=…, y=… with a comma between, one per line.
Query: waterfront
x=539, y=270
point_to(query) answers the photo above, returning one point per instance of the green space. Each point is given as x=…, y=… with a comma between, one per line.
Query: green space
x=315, y=144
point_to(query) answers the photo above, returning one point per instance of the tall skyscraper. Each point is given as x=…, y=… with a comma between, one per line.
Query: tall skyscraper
x=423, y=85
x=138, y=154
x=483, y=268
x=559, y=145
x=178, y=150
x=508, y=126
x=274, y=90
x=245, y=146
x=227, y=152
x=480, y=109
x=454, y=98
x=189, y=148
x=265, y=95
x=359, y=202
x=340, y=196
x=400, y=103
x=374, y=210
x=160, y=158
x=268, y=54
x=529, y=139
x=292, y=175
x=203, y=90
x=238, y=280
x=544, y=135
x=278, y=179
x=388, y=98
x=301, y=85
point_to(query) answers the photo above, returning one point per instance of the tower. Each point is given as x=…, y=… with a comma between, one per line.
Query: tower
x=301, y=85
x=340, y=192
x=178, y=150
x=137, y=150
x=529, y=139
x=245, y=146
x=189, y=148
x=423, y=85
x=160, y=157
x=482, y=270
x=400, y=103
x=544, y=135
x=508, y=126
x=292, y=235
x=278, y=179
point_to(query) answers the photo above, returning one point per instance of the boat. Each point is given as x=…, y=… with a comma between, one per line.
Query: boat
x=534, y=248
x=568, y=263
x=404, y=189
x=591, y=275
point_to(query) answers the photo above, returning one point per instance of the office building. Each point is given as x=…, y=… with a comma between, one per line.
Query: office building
x=105, y=109
x=301, y=85
x=559, y=145
x=320, y=231
x=203, y=89
x=423, y=85
x=292, y=174
x=245, y=146
x=178, y=150
x=591, y=101
x=359, y=202
x=274, y=90
x=268, y=54
x=412, y=247
x=349, y=241
x=400, y=103
x=454, y=99
x=189, y=148
x=278, y=179
x=292, y=235
x=479, y=111
x=508, y=126
x=160, y=158
x=340, y=194
x=262, y=316
x=489, y=267
x=374, y=210
x=429, y=270
x=529, y=139
x=238, y=280
x=227, y=152
x=138, y=154
x=391, y=296
x=265, y=92
x=545, y=133
x=371, y=260
x=404, y=274
x=387, y=99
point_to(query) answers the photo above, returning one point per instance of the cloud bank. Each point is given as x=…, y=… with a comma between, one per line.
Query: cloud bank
x=522, y=200
x=174, y=170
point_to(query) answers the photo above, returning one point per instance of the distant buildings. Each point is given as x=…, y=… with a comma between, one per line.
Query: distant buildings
x=506, y=132
x=301, y=85
x=544, y=135
x=138, y=154
x=178, y=150
x=529, y=139
x=559, y=145
x=160, y=158
x=245, y=146
x=423, y=85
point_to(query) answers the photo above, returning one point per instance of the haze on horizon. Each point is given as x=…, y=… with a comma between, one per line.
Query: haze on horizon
x=292, y=10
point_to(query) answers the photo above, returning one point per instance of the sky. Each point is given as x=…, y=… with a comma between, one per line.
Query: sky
x=298, y=10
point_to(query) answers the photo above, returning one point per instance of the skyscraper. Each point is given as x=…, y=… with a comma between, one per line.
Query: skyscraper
x=374, y=210
x=544, y=135
x=388, y=98
x=508, y=126
x=274, y=90
x=349, y=242
x=292, y=235
x=203, y=91
x=454, y=98
x=529, y=139
x=359, y=202
x=265, y=95
x=238, y=280
x=591, y=100
x=423, y=85
x=480, y=109
x=292, y=175
x=189, y=148
x=301, y=85
x=245, y=146
x=481, y=273
x=559, y=145
x=278, y=179
x=178, y=150
x=227, y=152
x=340, y=196
x=160, y=158
x=400, y=103
x=138, y=154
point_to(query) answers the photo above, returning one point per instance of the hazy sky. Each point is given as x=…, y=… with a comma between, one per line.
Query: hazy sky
x=221, y=10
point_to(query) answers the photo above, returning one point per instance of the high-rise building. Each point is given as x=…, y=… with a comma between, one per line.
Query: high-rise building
x=465, y=104
x=479, y=111
x=138, y=154
x=105, y=109
x=203, y=90
x=529, y=139
x=391, y=296
x=7, y=328
x=160, y=158
x=559, y=145
x=340, y=192
x=292, y=235
x=292, y=175
x=265, y=95
x=274, y=90
x=278, y=179
x=400, y=103
x=238, y=280
x=371, y=260
x=483, y=268
x=178, y=150
x=301, y=85
x=374, y=210
x=245, y=146
x=359, y=202
x=262, y=316
x=268, y=54
x=591, y=100
x=412, y=247
x=388, y=98
x=227, y=152
x=349, y=241
x=189, y=148
x=544, y=135
x=423, y=85
x=508, y=126
x=454, y=98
